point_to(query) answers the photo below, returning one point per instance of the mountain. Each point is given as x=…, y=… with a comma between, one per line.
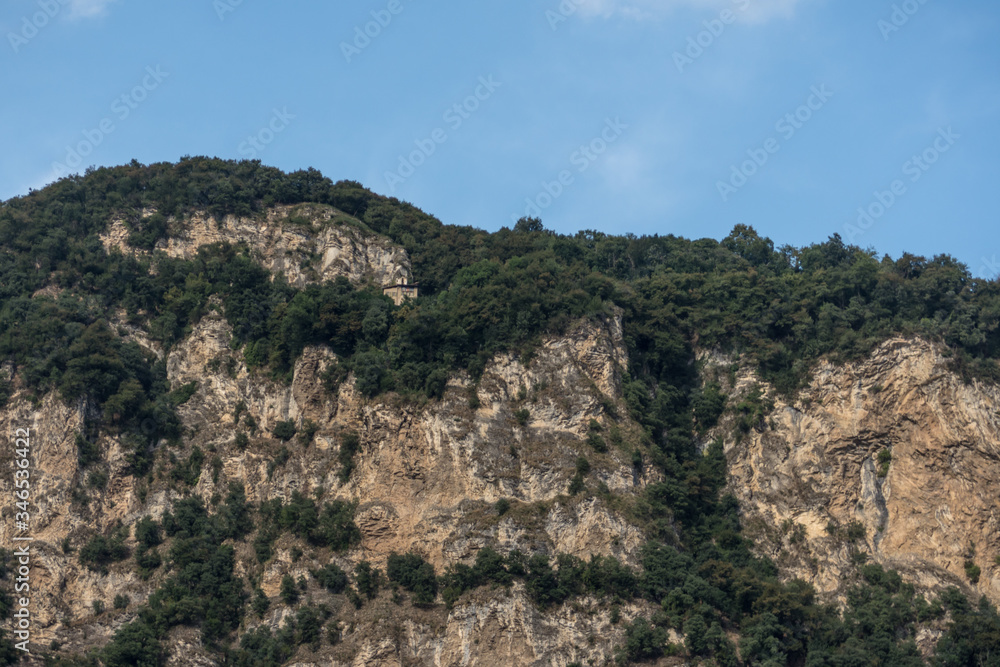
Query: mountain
x=567, y=450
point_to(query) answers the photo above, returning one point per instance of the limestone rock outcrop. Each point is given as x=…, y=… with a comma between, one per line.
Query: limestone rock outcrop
x=306, y=243
x=892, y=458
x=927, y=507
x=426, y=480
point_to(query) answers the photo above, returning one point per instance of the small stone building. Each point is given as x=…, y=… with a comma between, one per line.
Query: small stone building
x=401, y=292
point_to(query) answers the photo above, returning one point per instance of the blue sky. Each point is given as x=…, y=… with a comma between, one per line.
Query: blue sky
x=670, y=117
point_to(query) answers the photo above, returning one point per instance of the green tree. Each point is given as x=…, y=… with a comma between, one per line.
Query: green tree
x=289, y=591
x=644, y=641
x=367, y=579
x=284, y=430
x=414, y=574
x=134, y=645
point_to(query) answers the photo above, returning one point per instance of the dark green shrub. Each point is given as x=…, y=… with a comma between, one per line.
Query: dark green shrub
x=242, y=441
x=575, y=485
x=281, y=457
x=415, y=575
x=147, y=562
x=474, y=402
x=371, y=373
x=309, y=627
x=597, y=442
x=99, y=552
x=216, y=466
x=884, y=459
x=334, y=633
x=284, y=431
x=350, y=444
x=98, y=480
x=752, y=410
x=855, y=531
x=263, y=543
x=182, y=394
x=490, y=567
x=637, y=461
x=644, y=641
x=336, y=528
x=289, y=591
x=308, y=432
x=234, y=519
x=134, y=645
x=332, y=578
x=695, y=639
x=437, y=382
x=147, y=533
x=707, y=406
x=145, y=232
x=260, y=603
x=367, y=579
x=87, y=452
x=189, y=471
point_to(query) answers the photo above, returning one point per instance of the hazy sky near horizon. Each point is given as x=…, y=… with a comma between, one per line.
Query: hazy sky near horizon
x=874, y=119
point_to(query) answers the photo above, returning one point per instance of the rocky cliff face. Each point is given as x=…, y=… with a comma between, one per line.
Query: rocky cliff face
x=426, y=481
x=427, y=474
x=305, y=243
x=892, y=457
x=926, y=507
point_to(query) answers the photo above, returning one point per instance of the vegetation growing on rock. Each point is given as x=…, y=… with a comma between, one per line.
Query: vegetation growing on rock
x=483, y=294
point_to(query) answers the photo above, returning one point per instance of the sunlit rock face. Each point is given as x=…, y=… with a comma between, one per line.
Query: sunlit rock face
x=926, y=508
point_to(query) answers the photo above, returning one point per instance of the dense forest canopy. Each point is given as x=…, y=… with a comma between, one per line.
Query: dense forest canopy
x=781, y=309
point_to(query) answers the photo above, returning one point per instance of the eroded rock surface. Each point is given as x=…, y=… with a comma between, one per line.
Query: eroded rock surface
x=305, y=243
x=426, y=480
x=817, y=466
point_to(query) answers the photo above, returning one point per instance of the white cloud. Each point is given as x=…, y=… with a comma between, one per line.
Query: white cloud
x=751, y=11
x=87, y=8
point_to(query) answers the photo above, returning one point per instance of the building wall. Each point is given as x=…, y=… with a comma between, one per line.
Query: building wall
x=400, y=294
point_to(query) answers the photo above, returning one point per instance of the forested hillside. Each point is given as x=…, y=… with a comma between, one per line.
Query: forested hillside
x=777, y=310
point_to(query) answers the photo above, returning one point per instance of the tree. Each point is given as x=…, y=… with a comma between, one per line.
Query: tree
x=332, y=578
x=695, y=631
x=643, y=641
x=95, y=368
x=284, y=430
x=335, y=527
x=134, y=645
x=414, y=574
x=527, y=225
x=289, y=591
x=745, y=242
x=367, y=579
x=147, y=533
x=100, y=552
x=260, y=602
x=762, y=641
x=370, y=372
